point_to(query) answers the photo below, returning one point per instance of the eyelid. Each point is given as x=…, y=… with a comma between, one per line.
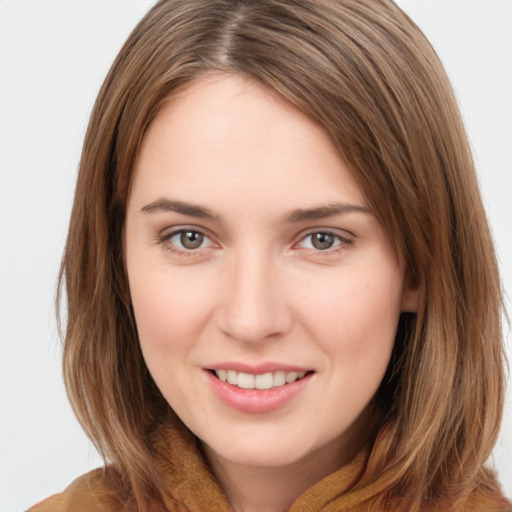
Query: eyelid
x=344, y=241
x=166, y=234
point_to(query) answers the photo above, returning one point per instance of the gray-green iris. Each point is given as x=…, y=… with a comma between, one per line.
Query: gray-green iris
x=191, y=239
x=322, y=241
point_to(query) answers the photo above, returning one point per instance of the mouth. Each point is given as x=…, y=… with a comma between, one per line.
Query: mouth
x=256, y=390
x=262, y=381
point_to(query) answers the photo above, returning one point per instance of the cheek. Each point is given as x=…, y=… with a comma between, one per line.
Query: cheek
x=354, y=318
x=170, y=307
x=170, y=310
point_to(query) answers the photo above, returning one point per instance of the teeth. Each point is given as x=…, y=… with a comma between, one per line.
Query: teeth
x=265, y=381
x=262, y=381
x=279, y=378
x=291, y=377
x=246, y=380
x=232, y=377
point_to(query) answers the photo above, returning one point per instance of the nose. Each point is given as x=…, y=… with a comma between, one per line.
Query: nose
x=253, y=305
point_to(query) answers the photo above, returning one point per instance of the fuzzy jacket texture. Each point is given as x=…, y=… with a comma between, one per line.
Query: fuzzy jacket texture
x=191, y=487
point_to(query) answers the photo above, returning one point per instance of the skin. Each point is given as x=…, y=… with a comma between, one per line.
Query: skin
x=257, y=289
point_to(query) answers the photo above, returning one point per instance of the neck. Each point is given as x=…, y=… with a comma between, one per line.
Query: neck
x=251, y=488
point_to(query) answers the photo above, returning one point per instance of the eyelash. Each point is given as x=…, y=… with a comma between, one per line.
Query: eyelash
x=342, y=245
x=166, y=237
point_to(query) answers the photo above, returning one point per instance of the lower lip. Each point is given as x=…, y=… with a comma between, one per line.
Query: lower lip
x=256, y=401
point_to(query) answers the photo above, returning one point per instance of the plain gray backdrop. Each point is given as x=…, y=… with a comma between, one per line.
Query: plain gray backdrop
x=54, y=55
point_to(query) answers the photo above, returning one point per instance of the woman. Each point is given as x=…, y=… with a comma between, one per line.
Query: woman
x=281, y=286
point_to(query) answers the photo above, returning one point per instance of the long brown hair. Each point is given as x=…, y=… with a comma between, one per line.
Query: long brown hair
x=365, y=72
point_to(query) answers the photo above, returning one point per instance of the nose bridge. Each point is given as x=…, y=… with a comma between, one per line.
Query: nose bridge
x=254, y=306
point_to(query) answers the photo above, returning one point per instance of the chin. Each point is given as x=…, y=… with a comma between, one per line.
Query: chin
x=264, y=450
x=268, y=457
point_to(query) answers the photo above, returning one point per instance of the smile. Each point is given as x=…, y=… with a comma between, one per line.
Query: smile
x=267, y=380
x=262, y=390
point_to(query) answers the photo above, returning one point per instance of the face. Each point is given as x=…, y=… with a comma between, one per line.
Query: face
x=265, y=292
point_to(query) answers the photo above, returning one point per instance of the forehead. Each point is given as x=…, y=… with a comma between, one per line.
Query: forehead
x=228, y=140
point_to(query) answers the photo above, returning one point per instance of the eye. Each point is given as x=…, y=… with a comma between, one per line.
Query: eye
x=189, y=239
x=186, y=240
x=323, y=241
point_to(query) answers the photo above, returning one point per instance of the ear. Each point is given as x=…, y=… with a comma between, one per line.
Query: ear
x=410, y=298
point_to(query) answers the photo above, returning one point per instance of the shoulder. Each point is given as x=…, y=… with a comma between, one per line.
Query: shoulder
x=88, y=493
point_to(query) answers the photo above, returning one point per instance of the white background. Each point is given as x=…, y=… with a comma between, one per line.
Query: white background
x=54, y=55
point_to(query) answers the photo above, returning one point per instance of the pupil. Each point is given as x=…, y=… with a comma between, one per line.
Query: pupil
x=191, y=239
x=322, y=240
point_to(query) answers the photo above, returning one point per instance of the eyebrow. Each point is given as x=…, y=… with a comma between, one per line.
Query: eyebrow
x=294, y=216
x=166, y=205
x=322, y=212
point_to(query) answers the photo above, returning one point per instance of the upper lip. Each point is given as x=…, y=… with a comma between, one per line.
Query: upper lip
x=259, y=368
